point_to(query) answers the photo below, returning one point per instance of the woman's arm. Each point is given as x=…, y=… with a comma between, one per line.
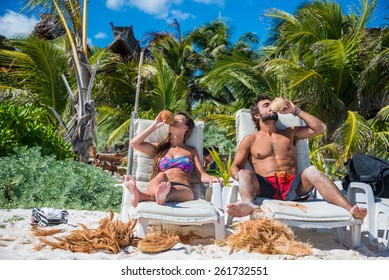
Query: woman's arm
x=138, y=142
x=199, y=170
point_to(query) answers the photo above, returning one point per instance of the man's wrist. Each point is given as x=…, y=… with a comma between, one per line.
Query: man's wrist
x=297, y=111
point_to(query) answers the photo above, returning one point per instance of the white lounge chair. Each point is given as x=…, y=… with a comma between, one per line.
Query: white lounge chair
x=195, y=212
x=377, y=209
x=313, y=213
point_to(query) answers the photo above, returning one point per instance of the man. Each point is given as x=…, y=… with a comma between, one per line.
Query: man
x=272, y=152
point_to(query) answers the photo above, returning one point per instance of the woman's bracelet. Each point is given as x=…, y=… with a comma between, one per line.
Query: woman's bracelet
x=297, y=112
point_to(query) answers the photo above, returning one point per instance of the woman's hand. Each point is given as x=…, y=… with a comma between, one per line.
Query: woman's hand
x=158, y=122
x=213, y=179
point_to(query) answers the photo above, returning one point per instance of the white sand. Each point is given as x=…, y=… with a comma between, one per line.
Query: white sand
x=17, y=243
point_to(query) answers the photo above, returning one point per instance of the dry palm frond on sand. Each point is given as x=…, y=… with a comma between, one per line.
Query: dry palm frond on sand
x=157, y=242
x=191, y=238
x=42, y=232
x=266, y=236
x=7, y=239
x=110, y=236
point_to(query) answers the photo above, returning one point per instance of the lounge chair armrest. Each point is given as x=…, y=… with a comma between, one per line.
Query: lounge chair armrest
x=214, y=195
x=356, y=189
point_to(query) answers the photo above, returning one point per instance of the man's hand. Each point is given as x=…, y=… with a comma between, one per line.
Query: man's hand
x=290, y=108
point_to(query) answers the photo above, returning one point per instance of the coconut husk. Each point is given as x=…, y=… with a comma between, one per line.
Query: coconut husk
x=42, y=232
x=111, y=236
x=157, y=242
x=266, y=236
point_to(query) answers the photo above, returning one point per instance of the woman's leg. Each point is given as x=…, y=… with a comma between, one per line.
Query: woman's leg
x=180, y=193
x=137, y=196
x=149, y=194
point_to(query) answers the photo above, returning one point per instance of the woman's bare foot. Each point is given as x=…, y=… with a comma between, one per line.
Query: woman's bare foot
x=358, y=213
x=241, y=208
x=162, y=190
x=130, y=184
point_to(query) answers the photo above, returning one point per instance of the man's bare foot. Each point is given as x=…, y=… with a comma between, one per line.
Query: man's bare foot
x=130, y=184
x=162, y=190
x=241, y=208
x=358, y=213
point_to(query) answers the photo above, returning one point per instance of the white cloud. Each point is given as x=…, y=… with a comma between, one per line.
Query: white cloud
x=161, y=9
x=100, y=35
x=179, y=15
x=210, y=2
x=115, y=4
x=157, y=8
x=13, y=24
x=152, y=7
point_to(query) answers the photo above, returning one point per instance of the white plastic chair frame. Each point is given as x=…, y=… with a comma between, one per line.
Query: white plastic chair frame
x=362, y=194
x=202, y=210
x=317, y=212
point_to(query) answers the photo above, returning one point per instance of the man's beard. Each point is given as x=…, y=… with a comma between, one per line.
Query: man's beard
x=269, y=117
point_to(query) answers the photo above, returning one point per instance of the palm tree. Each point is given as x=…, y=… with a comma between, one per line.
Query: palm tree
x=81, y=130
x=230, y=73
x=36, y=69
x=211, y=39
x=324, y=61
x=336, y=68
x=322, y=55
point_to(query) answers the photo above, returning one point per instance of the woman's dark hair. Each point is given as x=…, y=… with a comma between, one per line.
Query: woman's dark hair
x=164, y=145
x=254, y=108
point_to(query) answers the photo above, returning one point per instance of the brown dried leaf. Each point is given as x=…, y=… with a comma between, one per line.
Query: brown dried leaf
x=266, y=236
x=110, y=236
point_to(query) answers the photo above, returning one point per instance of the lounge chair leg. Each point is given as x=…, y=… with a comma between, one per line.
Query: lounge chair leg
x=230, y=195
x=340, y=235
x=355, y=231
x=219, y=229
x=141, y=228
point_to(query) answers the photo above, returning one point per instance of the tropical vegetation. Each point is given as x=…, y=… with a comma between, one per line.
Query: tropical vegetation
x=328, y=62
x=29, y=179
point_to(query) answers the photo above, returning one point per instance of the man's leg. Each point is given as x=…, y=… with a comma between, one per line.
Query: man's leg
x=312, y=177
x=248, y=189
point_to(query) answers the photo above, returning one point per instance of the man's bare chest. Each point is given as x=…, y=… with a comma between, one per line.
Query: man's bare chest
x=271, y=146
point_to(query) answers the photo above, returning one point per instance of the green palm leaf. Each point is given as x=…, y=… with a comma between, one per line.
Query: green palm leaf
x=37, y=67
x=353, y=135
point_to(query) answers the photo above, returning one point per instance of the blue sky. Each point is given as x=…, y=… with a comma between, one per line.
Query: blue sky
x=154, y=15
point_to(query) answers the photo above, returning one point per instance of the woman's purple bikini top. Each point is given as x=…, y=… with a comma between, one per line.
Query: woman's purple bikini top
x=184, y=163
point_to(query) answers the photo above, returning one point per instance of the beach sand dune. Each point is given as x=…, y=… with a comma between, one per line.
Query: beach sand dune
x=17, y=243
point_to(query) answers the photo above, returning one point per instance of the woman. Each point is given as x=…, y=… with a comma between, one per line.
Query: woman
x=173, y=164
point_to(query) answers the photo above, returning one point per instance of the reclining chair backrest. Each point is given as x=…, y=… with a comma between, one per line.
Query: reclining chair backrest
x=143, y=164
x=245, y=126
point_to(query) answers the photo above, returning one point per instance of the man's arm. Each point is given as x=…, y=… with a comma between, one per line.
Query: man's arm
x=241, y=156
x=314, y=125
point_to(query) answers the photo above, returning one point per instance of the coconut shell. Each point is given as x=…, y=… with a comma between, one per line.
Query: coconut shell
x=158, y=242
x=167, y=116
x=278, y=104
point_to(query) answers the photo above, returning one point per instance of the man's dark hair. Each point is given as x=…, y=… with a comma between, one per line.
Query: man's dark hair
x=254, y=108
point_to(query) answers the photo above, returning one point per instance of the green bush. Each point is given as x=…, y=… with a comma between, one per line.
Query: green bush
x=28, y=126
x=28, y=179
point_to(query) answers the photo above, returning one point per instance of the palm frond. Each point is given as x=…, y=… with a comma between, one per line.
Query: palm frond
x=118, y=133
x=353, y=135
x=384, y=113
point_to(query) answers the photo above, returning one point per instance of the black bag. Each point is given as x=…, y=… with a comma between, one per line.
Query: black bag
x=370, y=170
